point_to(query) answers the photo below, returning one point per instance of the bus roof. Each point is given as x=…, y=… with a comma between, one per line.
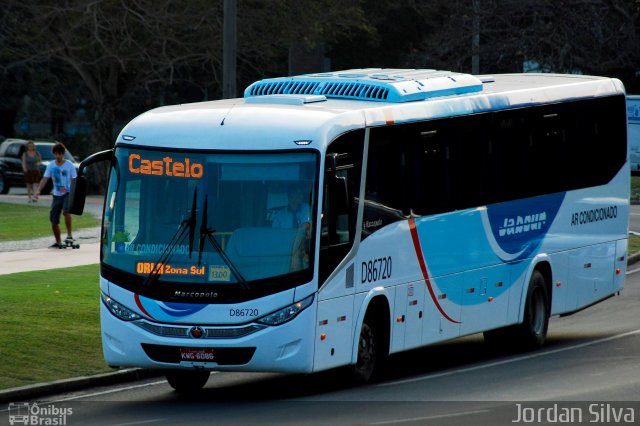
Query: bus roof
x=280, y=113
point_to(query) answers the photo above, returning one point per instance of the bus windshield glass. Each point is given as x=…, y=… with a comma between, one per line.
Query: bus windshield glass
x=202, y=218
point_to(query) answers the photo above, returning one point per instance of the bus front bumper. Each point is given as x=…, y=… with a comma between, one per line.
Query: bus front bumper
x=284, y=348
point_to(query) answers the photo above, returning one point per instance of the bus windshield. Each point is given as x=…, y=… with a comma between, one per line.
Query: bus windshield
x=210, y=219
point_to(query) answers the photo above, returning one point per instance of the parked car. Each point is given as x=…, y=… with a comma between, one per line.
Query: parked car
x=11, y=173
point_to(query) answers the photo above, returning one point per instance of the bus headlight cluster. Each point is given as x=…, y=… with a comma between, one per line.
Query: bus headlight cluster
x=119, y=310
x=286, y=314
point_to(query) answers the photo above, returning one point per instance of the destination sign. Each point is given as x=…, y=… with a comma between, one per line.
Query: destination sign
x=168, y=166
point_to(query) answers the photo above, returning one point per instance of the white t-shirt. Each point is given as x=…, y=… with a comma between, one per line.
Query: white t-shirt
x=61, y=176
x=285, y=217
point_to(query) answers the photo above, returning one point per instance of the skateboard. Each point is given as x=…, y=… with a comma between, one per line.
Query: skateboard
x=70, y=244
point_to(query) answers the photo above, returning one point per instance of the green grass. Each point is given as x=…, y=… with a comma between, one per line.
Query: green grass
x=635, y=189
x=634, y=244
x=50, y=326
x=24, y=222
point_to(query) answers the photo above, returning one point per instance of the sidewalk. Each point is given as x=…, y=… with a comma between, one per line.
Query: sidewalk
x=33, y=255
x=46, y=258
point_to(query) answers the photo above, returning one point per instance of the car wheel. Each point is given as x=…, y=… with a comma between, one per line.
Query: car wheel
x=4, y=185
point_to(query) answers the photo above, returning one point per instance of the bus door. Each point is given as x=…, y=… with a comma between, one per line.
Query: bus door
x=337, y=271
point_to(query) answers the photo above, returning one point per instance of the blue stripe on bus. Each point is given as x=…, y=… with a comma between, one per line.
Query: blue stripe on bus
x=461, y=241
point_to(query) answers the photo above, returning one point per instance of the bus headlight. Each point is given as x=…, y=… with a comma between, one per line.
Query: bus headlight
x=286, y=314
x=119, y=310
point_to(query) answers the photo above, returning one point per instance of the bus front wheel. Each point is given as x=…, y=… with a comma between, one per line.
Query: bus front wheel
x=367, y=354
x=371, y=352
x=185, y=381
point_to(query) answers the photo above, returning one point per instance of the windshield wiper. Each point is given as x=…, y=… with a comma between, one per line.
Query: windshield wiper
x=188, y=224
x=206, y=234
x=192, y=221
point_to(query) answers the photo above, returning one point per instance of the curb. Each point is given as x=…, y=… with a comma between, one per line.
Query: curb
x=633, y=259
x=76, y=383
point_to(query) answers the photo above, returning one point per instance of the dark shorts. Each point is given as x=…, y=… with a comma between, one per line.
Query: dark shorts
x=32, y=176
x=58, y=205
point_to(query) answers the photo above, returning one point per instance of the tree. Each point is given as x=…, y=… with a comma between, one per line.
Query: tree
x=113, y=51
x=110, y=48
x=588, y=36
x=394, y=31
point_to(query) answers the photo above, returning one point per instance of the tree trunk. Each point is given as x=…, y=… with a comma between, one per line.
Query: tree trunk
x=102, y=139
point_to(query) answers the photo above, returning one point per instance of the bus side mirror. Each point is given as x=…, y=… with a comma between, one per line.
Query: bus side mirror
x=338, y=207
x=79, y=184
x=78, y=195
x=339, y=202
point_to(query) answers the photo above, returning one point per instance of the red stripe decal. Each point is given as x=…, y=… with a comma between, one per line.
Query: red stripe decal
x=139, y=303
x=423, y=267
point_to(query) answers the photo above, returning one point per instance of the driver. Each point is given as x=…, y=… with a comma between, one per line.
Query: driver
x=295, y=214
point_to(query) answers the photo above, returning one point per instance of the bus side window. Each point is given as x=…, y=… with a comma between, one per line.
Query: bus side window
x=433, y=162
x=338, y=233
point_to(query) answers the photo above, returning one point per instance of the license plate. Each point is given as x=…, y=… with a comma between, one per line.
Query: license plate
x=197, y=355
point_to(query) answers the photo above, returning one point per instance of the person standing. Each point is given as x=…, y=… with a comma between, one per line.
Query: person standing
x=61, y=171
x=31, y=160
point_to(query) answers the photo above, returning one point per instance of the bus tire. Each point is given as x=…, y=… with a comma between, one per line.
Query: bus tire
x=185, y=381
x=532, y=332
x=372, y=351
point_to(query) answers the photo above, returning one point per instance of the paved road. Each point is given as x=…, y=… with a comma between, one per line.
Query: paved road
x=590, y=365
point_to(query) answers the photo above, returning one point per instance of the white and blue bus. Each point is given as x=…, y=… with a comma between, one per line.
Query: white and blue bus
x=427, y=205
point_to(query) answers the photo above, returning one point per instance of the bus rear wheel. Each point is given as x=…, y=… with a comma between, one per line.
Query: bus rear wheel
x=532, y=332
x=188, y=380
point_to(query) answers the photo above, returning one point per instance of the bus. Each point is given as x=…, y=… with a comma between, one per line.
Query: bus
x=419, y=206
x=633, y=115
